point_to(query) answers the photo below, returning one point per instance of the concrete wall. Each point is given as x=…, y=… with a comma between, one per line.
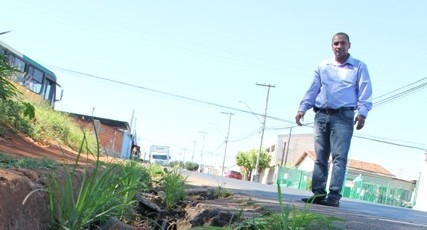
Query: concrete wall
x=297, y=144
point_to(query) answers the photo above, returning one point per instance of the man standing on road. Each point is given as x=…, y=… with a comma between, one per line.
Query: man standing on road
x=340, y=87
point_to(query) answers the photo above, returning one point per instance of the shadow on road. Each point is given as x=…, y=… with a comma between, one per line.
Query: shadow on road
x=358, y=214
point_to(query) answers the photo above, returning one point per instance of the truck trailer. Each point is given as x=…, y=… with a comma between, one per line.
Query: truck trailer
x=160, y=155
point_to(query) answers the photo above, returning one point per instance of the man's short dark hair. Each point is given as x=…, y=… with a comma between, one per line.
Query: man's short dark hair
x=342, y=34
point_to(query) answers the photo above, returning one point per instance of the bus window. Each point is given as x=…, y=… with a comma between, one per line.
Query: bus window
x=34, y=80
x=20, y=66
x=48, y=90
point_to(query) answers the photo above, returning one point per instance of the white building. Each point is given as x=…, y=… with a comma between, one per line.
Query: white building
x=421, y=198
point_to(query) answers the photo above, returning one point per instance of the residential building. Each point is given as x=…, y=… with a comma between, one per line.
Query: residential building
x=364, y=180
x=367, y=181
x=114, y=136
x=286, y=149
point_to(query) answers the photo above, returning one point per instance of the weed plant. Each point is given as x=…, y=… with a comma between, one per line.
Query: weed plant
x=156, y=172
x=82, y=198
x=290, y=218
x=104, y=192
x=220, y=192
x=173, y=184
x=132, y=174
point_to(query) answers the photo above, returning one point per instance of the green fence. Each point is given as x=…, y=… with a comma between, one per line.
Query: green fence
x=361, y=190
x=379, y=193
x=293, y=178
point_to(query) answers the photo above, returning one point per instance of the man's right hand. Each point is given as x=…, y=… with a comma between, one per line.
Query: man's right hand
x=299, y=117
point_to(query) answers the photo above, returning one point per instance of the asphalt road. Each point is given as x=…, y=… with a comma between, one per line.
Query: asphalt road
x=357, y=214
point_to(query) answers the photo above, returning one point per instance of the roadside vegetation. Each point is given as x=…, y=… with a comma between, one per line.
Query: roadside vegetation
x=7, y=161
x=34, y=118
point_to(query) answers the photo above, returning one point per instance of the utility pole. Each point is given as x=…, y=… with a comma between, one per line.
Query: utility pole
x=287, y=146
x=202, y=151
x=183, y=157
x=226, y=140
x=194, y=150
x=131, y=121
x=283, y=153
x=262, y=132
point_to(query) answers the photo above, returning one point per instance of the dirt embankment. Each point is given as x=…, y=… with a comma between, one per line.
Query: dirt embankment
x=16, y=184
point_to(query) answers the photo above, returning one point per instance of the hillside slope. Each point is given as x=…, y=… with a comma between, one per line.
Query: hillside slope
x=16, y=184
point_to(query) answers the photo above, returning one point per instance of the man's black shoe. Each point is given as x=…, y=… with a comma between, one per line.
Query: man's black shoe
x=315, y=199
x=330, y=202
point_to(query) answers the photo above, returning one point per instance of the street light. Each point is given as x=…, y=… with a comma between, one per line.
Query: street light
x=226, y=140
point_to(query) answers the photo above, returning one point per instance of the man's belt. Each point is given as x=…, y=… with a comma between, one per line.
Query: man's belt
x=331, y=111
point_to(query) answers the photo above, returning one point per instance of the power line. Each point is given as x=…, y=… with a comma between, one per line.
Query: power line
x=395, y=94
x=170, y=94
x=375, y=139
x=395, y=90
x=381, y=102
x=390, y=143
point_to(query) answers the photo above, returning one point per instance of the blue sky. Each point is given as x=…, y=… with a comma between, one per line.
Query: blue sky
x=216, y=52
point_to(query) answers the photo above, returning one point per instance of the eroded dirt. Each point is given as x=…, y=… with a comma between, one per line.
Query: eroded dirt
x=16, y=184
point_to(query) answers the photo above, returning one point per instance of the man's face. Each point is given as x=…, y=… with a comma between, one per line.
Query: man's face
x=340, y=46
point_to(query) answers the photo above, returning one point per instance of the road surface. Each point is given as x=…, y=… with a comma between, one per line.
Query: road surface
x=357, y=214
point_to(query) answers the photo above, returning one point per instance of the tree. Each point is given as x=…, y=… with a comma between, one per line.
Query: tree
x=247, y=160
x=7, y=89
x=191, y=166
x=8, y=92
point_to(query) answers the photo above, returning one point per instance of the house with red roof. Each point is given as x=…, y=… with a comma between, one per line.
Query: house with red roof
x=365, y=180
x=293, y=161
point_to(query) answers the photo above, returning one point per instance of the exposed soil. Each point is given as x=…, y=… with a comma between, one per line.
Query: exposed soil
x=200, y=208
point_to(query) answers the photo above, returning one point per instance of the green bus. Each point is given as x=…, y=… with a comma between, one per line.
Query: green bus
x=32, y=75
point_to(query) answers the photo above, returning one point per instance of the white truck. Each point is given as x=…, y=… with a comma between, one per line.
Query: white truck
x=160, y=155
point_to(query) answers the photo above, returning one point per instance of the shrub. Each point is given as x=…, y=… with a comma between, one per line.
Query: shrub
x=191, y=166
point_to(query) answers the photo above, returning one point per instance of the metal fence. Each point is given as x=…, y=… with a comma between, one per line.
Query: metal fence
x=293, y=178
x=378, y=193
x=361, y=190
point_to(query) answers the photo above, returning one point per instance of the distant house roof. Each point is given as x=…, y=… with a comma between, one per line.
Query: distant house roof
x=352, y=164
x=310, y=154
x=112, y=123
x=369, y=167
